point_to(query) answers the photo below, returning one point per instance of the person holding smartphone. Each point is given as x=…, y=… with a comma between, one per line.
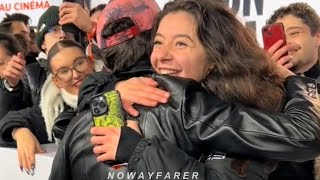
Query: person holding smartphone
x=192, y=114
x=302, y=31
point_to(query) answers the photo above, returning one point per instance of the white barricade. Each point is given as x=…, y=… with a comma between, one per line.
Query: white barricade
x=9, y=166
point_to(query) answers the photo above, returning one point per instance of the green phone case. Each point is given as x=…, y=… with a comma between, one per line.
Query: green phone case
x=110, y=107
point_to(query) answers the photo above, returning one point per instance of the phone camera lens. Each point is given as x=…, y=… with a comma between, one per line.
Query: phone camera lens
x=94, y=102
x=96, y=110
x=102, y=105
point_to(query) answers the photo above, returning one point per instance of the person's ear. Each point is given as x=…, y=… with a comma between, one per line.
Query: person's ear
x=317, y=36
x=210, y=69
x=43, y=46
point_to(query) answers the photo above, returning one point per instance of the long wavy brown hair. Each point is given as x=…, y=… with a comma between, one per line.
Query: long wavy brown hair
x=242, y=72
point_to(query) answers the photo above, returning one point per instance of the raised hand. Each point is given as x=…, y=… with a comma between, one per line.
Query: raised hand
x=279, y=54
x=73, y=13
x=14, y=71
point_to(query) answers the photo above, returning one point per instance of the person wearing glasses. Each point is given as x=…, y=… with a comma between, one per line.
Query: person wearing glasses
x=28, y=128
x=22, y=83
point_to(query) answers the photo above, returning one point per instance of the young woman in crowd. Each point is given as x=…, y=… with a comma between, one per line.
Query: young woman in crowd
x=223, y=60
x=31, y=127
x=231, y=66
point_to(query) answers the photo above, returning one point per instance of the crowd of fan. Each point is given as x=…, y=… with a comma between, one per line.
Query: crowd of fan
x=198, y=92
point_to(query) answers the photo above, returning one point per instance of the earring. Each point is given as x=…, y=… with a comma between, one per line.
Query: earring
x=210, y=69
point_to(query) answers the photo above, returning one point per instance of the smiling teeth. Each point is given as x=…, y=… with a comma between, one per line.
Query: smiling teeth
x=168, y=72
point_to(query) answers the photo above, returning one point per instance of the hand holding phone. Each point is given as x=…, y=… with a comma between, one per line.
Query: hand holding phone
x=275, y=44
x=106, y=110
x=272, y=34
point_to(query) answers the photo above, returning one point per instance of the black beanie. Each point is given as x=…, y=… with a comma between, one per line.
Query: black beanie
x=48, y=19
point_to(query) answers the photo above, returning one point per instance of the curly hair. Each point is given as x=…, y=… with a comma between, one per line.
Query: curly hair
x=301, y=10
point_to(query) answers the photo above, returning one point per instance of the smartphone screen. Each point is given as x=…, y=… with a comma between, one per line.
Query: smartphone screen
x=272, y=34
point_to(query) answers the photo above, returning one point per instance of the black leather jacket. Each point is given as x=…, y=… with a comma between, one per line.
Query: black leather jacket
x=197, y=123
x=293, y=170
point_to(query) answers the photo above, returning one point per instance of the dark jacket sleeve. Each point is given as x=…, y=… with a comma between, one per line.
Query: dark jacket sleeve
x=30, y=118
x=93, y=84
x=75, y=158
x=235, y=129
x=207, y=124
x=154, y=155
x=60, y=166
x=15, y=100
x=61, y=123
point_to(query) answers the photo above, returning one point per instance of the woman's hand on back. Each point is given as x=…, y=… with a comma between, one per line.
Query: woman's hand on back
x=140, y=90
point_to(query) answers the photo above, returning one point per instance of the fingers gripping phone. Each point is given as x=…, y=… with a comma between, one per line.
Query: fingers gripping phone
x=71, y=27
x=106, y=110
x=272, y=34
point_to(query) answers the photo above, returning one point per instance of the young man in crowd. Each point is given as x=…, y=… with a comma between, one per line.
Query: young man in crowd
x=302, y=30
x=18, y=24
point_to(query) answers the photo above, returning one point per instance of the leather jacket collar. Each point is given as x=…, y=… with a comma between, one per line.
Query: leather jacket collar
x=314, y=72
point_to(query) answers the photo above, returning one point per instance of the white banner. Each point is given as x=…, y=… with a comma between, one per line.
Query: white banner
x=33, y=8
x=251, y=12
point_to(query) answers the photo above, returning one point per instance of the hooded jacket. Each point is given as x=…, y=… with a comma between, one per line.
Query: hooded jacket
x=196, y=122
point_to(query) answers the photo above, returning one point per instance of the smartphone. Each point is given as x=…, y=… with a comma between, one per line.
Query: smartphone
x=106, y=109
x=71, y=27
x=273, y=33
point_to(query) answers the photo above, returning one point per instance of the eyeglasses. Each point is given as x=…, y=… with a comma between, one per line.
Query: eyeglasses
x=55, y=31
x=81, y=64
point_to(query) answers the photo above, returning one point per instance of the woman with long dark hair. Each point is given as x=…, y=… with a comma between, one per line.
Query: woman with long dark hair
x=197, y=119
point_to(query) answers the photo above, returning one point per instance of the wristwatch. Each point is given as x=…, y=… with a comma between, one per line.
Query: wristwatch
x=7, y=86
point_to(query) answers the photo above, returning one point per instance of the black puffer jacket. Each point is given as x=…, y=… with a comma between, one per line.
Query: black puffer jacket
x=27, y=93
x=197, y=123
